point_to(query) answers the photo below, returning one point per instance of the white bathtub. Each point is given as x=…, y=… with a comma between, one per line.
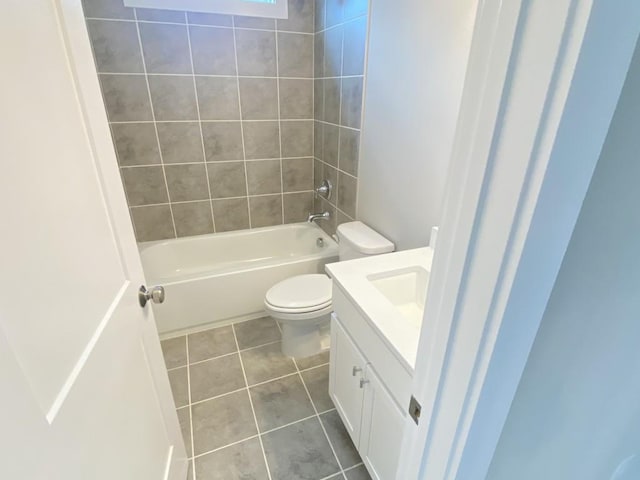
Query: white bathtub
x=223, y=277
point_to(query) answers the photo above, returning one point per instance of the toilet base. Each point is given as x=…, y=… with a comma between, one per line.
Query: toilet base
x=299, y=341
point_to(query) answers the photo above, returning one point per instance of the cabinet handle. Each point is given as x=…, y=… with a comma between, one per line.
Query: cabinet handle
x=355, y=371
x=363, y=382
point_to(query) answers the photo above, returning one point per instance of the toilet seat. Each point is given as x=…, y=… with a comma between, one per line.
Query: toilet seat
x=299, y=317
x=300, y=294
x=311, y=309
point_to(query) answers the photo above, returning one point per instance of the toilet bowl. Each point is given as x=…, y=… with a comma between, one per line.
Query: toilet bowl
x=302, y=304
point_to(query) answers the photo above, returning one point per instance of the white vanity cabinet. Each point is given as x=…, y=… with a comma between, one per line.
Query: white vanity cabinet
x=361, y=390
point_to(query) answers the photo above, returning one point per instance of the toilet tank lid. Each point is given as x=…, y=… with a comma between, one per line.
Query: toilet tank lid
x=364, y=238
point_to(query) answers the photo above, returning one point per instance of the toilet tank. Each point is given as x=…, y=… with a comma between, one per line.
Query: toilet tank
x=356, y=240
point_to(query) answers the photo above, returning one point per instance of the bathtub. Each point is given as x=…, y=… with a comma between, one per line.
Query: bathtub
x=221, y=278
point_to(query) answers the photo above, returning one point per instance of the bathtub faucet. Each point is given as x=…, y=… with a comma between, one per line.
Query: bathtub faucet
x=318, y=216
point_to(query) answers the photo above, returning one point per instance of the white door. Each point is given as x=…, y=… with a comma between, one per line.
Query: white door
x=84, y=390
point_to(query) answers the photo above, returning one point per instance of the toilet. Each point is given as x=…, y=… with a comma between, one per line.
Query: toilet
x=302, y=304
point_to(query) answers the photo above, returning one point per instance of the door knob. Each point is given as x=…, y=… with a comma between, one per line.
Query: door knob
x=154, y=294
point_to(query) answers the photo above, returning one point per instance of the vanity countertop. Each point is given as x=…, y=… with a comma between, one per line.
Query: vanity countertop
x=399, y=330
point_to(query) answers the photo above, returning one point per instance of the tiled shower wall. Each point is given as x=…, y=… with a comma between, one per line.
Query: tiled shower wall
x=339, y=66
x=211, y=115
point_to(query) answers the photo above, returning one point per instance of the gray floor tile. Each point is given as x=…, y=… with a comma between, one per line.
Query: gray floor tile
x=358, y=473
x=179, y=386
x=222, y=421
x=174, y=351
x=317, y=382
x=257, y=332
x=299, y=452
x=243, y=461
x=339, y=476
x=190, y=471
x=280, y=402
x=211, y=343
x=184, y=417
x=216, y=377
x=340, y=439
x=266, y=363
x=313, y=361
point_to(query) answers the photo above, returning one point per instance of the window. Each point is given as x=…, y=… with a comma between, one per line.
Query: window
x=253, y=8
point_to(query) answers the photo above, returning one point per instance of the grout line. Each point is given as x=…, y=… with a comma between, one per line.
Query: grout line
x=155, y=125
x=217, y=161
x=319, y=419
x=221, y=198
x=313, y=102
x=236, y=352
x=256, y=120
x=344, y=22
x=337, y=196
x=324, y=96
x=271, y=430
x=216, y=397
x=226, y=27
x=209, y=75
x=204, y=153
x=279, y=124
x=193, y=465
x=225, y=446
x=333, y=476
x=244, y=149
x=249, y=387
x=353, y=467
x=253, y=410
x=258, y=346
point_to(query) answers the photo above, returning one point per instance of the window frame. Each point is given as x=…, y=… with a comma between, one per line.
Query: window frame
x=277, y=9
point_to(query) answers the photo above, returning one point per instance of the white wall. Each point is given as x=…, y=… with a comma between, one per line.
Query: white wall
x=576, y=414
x=418, y=51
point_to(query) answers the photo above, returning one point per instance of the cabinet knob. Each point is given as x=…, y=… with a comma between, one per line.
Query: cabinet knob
x=355, y=371
x=363, y=382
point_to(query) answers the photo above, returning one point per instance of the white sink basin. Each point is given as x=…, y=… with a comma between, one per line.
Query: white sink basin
x=405, y=288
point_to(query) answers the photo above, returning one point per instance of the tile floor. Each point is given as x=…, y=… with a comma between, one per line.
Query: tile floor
x=249, y=412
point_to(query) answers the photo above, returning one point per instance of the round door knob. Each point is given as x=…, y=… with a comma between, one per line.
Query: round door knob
x=154, y=294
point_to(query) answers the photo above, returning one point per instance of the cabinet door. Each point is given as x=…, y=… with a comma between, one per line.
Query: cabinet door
x=382, y=426
x=347, y=369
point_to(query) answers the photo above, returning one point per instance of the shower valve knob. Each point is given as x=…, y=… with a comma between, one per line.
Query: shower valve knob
x=325, y=189
x=154, y=294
